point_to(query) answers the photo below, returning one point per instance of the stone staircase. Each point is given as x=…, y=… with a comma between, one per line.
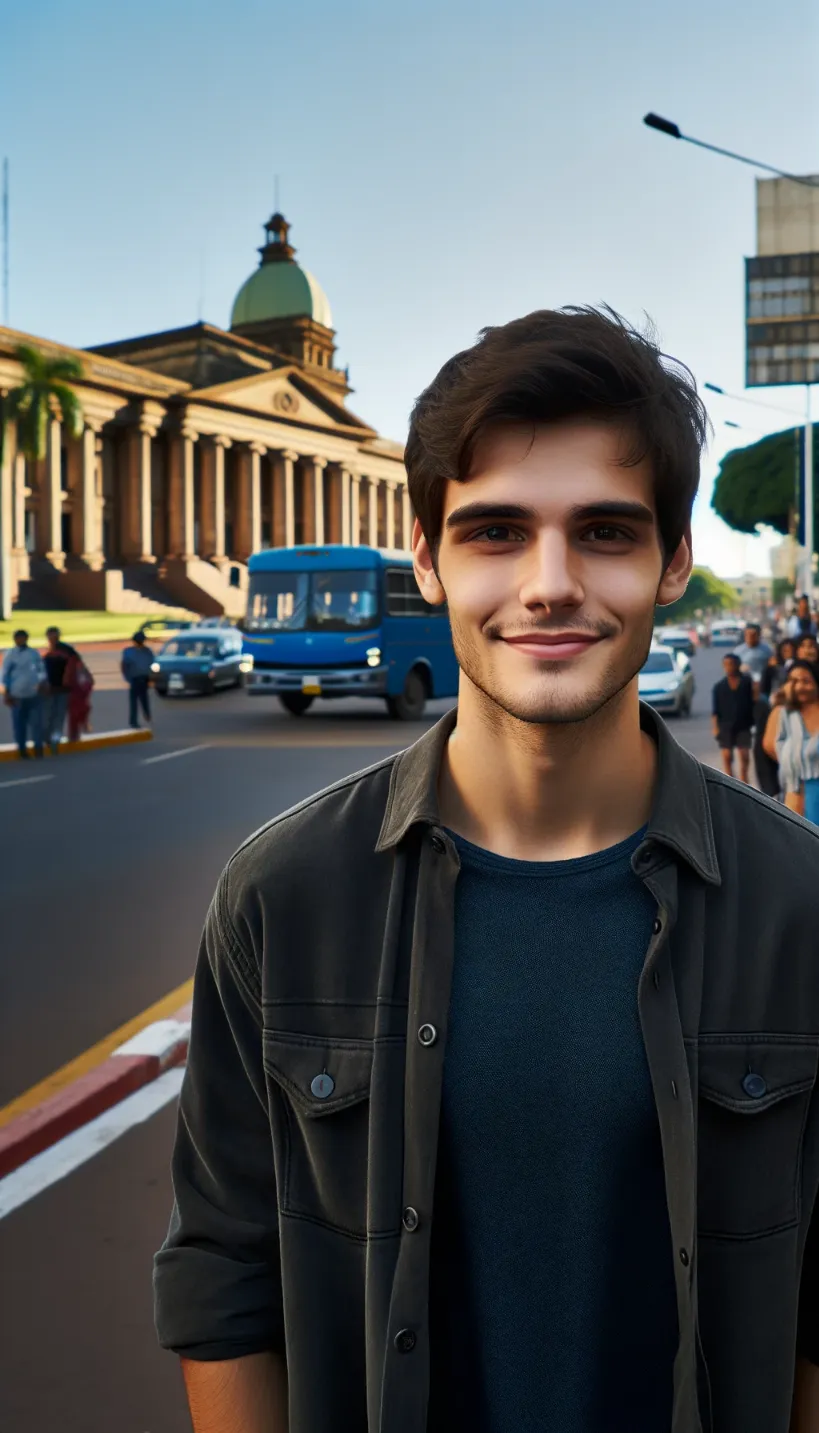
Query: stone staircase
x=191, y=584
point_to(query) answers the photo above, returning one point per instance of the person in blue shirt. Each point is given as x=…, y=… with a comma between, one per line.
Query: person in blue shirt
x=136, y=664
x=23, y=677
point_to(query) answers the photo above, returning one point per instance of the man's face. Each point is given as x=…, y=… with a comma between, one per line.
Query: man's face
x=803, y=688
x=551, y=565
x=730, y=666
x=803, y=608
x=20, y=639
x=808, y=649
x=53, y=638
x=752, y=636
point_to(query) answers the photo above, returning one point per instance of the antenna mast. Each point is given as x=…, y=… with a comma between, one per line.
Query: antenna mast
x=6, y=242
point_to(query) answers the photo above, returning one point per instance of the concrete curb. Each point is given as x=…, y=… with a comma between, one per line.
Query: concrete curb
x=95, y=741
x=136, y=1063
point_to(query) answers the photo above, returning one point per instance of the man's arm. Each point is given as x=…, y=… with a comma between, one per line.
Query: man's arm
x=805, y=1413
x=239, y=1395
x=217, y=1278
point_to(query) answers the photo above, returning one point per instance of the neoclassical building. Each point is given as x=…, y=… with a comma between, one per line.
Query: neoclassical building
x=200, y=445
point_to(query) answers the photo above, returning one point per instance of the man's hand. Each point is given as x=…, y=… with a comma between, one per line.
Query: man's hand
x=8, y=700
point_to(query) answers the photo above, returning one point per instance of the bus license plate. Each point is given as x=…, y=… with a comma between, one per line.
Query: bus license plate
x=311, y=686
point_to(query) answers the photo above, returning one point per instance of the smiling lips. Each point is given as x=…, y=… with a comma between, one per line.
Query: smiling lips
x=553, y=646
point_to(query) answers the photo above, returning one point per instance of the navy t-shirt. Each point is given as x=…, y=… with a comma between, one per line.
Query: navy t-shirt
x=552, y=1296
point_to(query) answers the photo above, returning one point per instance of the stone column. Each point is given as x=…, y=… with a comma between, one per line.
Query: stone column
x=287, y=461
x=138, y=530
x=373, y=512
x=6, y=521
x=406, y=513
x=92, y=554
x=180, y=493
x=219, y=555
x=318, y=465
x=54, y=496
x=391, y=486
x=346, y=526
x=20, y=494
x=248, y=515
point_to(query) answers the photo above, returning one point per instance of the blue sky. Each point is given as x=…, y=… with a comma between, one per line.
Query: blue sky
x=444, y=166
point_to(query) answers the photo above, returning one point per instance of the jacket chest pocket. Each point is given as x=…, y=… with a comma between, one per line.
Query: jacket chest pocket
x=753, y=1104
x=326, y=1085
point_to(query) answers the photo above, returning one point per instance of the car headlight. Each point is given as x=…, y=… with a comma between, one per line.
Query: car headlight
x=373, y=656
x=155, y=667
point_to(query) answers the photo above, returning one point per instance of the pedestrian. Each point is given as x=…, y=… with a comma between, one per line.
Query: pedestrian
x=499, y=1103
x=23, y=676
x=776, y=673
x=59, y=659
x=792, y=737
x=754, y=654
x=137, y=661
x=807, y=649
x=81, y=685
x=732, y=709
x=802, y=624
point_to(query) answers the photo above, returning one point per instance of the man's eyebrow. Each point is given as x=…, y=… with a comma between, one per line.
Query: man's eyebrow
x=495, y=512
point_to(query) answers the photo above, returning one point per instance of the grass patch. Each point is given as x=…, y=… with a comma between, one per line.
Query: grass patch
x=78, y=626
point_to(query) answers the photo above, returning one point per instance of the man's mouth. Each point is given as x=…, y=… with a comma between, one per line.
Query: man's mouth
x=554, y=646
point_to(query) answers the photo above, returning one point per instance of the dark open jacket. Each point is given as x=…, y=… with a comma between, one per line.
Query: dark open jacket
x=302, y=1218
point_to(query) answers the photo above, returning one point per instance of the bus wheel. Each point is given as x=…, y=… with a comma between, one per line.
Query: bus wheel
x=295, y=702
x=409, y=706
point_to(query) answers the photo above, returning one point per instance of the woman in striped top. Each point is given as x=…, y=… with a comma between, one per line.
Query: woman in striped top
x=792, y=738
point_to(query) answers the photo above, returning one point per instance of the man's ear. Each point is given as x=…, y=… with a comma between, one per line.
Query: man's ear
x=675, y=578
x=424, y=566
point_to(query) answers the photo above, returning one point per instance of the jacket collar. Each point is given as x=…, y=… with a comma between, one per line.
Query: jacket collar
x=680, y=818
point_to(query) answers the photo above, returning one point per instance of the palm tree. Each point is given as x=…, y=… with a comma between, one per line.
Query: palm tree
x=43, y=393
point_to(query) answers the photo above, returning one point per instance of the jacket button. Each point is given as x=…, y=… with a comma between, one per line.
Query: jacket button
x=427, y=1034
x=438, y=844
x=322, y=1086
x=658, y=925
x=684, y=1258
x=405, y=1341
x=645, y=856
x=755, y=1086
x=410, y=1219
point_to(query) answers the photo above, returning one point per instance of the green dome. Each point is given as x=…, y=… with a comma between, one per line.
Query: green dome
x=280, y=290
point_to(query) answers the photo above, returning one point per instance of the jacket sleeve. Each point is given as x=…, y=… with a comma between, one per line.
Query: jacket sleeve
x=807, y=1335
x=217, y=1280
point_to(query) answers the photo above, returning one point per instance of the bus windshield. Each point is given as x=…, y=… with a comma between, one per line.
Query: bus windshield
x=312, y=601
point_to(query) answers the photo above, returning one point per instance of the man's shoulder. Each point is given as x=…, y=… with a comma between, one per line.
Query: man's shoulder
x=748, y=824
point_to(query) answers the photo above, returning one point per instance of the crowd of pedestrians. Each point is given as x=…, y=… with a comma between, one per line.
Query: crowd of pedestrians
x=768, y=703
x=45, y=690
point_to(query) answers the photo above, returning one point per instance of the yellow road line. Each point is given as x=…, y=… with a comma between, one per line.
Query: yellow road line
x=89, y=1059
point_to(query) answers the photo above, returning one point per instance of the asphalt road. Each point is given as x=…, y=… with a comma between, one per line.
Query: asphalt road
x=109, y=867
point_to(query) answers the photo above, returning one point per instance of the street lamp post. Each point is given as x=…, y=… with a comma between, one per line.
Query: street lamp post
x=668, y=127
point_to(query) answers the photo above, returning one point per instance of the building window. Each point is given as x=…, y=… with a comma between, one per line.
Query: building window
x=404, y=597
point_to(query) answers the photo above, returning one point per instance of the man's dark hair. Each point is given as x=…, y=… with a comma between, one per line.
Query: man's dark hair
x=139, y=638
x=732, y=657
x=21, y=632
x=55, y=630
x=752, y=627
x=555, y=364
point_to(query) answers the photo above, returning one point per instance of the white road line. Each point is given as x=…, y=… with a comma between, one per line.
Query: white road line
x=26, y=781
x=169, y=755
x=68, y=1154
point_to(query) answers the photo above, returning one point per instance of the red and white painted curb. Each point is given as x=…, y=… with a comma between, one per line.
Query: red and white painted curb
x=138, y=1062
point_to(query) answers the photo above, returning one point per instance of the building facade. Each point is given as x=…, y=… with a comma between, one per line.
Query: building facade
x=199, y=446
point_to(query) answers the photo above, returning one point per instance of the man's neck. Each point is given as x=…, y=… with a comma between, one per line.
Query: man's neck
x=546, y=792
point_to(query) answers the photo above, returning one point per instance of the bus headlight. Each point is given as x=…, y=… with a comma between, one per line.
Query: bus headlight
x=246, y=664
x=373, y=656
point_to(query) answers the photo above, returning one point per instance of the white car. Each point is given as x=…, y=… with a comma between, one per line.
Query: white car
x=727, y=634
x=666, y=682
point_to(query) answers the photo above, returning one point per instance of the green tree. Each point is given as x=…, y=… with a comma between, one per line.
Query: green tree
x=704, y=592
x=757, y=485
x=43, y=392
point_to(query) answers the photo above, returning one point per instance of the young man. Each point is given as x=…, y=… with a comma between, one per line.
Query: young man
x=754, y=654
x=23, y=677
x=136, y=669
x=732, y=710
x=56, y=657
x=801, y=624
x=499, y=1109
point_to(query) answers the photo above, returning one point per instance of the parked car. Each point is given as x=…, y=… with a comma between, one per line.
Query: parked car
x=727, y=633
x=159, y=629
x=677, y=638
x=200, y=660
x=666, y=682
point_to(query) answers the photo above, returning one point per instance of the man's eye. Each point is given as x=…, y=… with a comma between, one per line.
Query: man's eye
x=498, y=532
x=605, y=532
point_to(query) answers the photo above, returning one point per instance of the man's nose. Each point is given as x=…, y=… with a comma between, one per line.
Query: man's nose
x=551, y=573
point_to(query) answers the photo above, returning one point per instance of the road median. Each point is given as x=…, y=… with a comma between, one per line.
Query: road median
x=91, y=741
x=143, y=1058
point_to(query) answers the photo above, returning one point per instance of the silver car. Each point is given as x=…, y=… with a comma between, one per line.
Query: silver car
x=666, y=682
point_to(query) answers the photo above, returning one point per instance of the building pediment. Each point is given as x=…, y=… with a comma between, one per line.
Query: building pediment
x=286, y=395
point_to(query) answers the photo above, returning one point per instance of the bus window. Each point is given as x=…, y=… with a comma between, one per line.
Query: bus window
x=277, y=601
x=344, y=599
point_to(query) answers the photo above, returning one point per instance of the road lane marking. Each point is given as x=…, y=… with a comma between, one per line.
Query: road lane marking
x=26, y=781
x=68, y=1154
x=169, y=755
x=89, y=1059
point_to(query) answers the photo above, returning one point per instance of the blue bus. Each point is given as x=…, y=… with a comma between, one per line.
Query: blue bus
x=338, y=621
